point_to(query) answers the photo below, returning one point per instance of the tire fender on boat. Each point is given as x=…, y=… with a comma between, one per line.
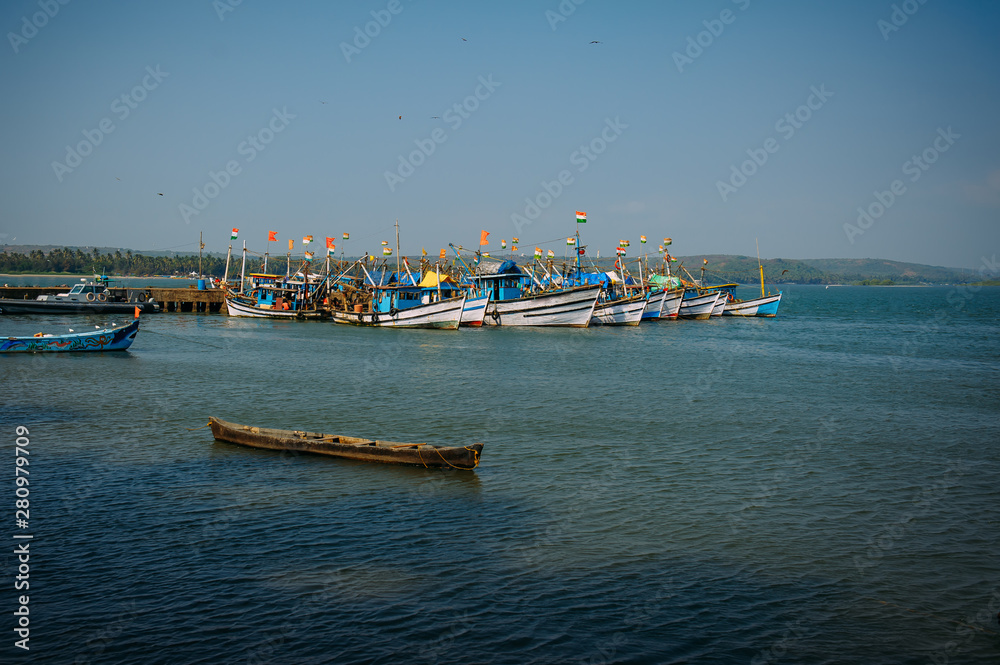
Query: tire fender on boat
x=495, y=315
x=393, y=312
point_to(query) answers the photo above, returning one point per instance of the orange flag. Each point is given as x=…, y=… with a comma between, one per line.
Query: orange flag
x=442, y=254
x=484, y=238
x=291, y=244
x=137, y=312
x=329, y=242
x=272, y=236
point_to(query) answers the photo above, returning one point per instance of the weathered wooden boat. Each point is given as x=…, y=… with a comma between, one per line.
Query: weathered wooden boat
x=349, y=447
x=720, y=304
x=108, y=339
x=96, y=297
x=394, y=312
x=663, y=304
x=475, y=309
x=270, y=296
x=698, y=306
x=672, y=304
x=624, y=311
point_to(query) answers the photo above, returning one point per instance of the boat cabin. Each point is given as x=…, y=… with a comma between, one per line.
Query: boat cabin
x=86, y=292
x=400, y=296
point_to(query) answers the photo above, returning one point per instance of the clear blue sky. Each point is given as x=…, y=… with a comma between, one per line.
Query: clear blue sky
x=680, y=126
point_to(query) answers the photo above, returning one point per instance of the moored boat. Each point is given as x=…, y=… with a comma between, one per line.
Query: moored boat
x=672, y=304
x=766, y=306
x=697, y=305
x=626, y=311
x=572, y=307
x=277, y=297
x=349, y=447
x=475, y=310
x=96, y=297
x=390, y=312
x=108, y=339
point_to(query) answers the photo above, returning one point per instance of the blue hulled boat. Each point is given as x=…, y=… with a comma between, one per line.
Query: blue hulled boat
x=107, y=339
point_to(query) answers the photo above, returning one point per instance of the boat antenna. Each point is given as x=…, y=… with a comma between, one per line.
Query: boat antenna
x=397, y=250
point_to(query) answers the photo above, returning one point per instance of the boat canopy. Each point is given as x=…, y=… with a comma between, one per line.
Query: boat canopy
x=430, y=280
x=665, y=281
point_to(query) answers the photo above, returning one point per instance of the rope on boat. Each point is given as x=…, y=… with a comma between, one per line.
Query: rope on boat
x=192, y=429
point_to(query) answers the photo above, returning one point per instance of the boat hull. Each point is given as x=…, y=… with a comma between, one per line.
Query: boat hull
x=698, y=306
x=654, y=305
x=569, y=307
x=720, y=305
x=474, y=311
x=237, y=308
x=663, y=304
x=672, y=304
x=766, y=306
x=443, y=315
x=621, y=312
x=110, y=339
x=356, y=448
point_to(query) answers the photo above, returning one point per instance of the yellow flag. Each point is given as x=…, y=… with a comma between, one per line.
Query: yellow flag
x=423, y=251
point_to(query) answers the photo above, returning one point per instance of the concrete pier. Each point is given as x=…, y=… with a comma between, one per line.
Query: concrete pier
x=171, y=300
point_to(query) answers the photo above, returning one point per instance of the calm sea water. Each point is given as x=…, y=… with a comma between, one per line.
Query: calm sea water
x=816, y=488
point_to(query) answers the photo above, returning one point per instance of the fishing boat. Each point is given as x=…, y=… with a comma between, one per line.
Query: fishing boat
x=572, y=307
x=697, y=305
x=278, y=297
x=663, y=304
x=349, y=447
x=623, y=311
x=435, y=302
x=519, y=299
x=115, y=338
x=672, y=304
x=766, y=305
x=98, y=296
x=474, y=310
x=402, y=307
x=720, y=304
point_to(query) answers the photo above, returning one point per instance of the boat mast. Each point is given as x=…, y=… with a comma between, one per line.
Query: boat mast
x=243, y=266
x=397, y=250
x=201, y=246
x=437, y=269
x=761, y=266
x=225, y=277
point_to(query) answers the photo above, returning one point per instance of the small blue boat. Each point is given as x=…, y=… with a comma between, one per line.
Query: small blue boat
x=108, y=339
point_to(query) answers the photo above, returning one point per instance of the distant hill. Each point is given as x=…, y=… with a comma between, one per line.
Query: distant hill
x=743, y=269
x=720, y=267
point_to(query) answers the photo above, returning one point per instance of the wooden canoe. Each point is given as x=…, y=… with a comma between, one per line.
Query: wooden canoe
x=351, y=447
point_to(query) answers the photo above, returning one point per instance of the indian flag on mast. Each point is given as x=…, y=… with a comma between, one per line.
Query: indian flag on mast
x=236, y=232
x=581, y=217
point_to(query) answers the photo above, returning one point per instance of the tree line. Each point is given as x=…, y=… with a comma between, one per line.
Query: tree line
x=78, y=262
